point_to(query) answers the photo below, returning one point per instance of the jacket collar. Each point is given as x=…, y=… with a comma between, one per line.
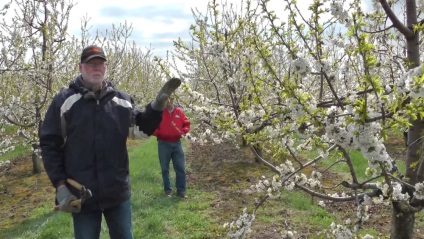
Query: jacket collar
x=79, y=87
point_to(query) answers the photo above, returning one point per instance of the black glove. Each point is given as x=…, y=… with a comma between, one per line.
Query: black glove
x=170, y=86
x=65, y=197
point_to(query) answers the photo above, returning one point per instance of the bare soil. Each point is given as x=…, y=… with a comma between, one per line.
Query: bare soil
x=229, y=171
x=21, y=192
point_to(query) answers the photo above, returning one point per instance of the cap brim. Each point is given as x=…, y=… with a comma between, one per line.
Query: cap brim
x=94, y=56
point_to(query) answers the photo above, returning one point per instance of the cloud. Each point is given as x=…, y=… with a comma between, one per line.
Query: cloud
x=160, y=13
x=155, y=23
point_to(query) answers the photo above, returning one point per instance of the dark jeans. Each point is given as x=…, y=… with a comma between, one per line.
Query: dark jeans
x=172, y=152
x=87, y=225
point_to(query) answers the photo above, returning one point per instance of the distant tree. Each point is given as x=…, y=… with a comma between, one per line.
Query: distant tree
x=335, y=79
x=39, y=58
x=34, y=51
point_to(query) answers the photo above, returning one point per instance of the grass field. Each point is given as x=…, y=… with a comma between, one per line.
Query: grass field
x=154, y=215
x=217, y=179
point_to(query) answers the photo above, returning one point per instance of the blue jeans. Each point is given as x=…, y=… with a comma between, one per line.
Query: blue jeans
x=87, y=225
x=172, y=151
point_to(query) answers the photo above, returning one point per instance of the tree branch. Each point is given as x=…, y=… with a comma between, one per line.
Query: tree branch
x=269, y=165
x=337, y=199
x=408, y=33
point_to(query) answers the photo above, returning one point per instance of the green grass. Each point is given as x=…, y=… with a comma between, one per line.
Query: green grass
x=10, y=129
x=312, y=214
x=160, y=216
x=359, y=163
x=157, y=216
x=18, y=152
x=154, y=214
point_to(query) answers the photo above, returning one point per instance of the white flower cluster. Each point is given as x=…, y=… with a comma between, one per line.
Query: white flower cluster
x=409, y=83
x=37, y=151
x=340, y=231
x=362, y=212
x=315, y=181
x=300, y=179
x=300, y=66
x=194, y=95
x=241, y=227
x=338, y=195
x=4, y=163
x=220, y=56
x=273, y=189
x=213, y=115
x=397, y=193
x=381, y=198
x=336, y=9
x=6, y=141
x=250, y=116
x=419, y=191
x=326, y=66
x=7, y=149
x=365, y=137
x=297, y=111
x=286, y=168
x=289, y=235
x=337, y=131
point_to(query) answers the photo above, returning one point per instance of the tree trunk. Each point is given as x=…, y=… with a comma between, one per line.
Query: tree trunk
x=403, y=219
x=36, y=159
x=36, y=163
x=403, y=222
x=414, y=151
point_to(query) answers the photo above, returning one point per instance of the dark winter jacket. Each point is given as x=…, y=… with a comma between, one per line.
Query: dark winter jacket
x=84, y=136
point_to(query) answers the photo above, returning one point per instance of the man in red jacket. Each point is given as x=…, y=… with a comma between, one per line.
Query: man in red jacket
x=173, y=126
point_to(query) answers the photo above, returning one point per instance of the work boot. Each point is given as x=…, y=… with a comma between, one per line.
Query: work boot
x=181, y=195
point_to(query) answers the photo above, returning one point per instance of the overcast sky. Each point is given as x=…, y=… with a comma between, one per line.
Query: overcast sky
x=156, y=23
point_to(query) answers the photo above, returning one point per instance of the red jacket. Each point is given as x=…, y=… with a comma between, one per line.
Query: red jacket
x=173, y=126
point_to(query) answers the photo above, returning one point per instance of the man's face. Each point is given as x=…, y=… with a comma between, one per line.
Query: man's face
x=93, y=72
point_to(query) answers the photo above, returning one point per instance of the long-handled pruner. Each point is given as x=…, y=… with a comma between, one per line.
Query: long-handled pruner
x=84, y=192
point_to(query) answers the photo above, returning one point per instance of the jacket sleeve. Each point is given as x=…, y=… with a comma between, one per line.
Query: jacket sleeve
x=186, y=123
x=51, y=141
x=148, y=120
x=156, y=131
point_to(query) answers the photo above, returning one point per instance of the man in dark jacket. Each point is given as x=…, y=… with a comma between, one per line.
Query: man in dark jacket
x=83, y=138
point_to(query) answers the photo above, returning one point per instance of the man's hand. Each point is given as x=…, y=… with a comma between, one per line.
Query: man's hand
x=65, y=197
x=170, y=86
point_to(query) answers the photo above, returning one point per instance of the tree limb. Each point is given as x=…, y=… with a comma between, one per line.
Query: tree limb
x=408, y=33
